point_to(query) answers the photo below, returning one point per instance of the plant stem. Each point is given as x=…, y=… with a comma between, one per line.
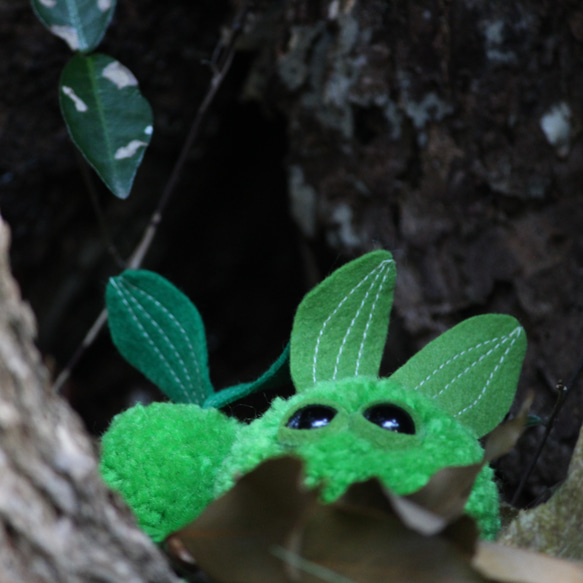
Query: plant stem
x=562, y=391
x=220, y=65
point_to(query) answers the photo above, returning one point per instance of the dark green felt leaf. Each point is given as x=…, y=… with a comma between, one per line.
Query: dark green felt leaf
x=80, y=23
x=276, y=376
x=471, y=371
x=160, y=332
x=108, y=118
x=340, y=328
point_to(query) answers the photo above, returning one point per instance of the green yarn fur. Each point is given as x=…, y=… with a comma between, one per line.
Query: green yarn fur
x=163, y=459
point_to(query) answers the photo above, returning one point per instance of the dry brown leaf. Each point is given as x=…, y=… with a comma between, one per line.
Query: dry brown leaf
x=242, y=537
x=447, y=492
x=368, y=546
x=509, y=565
x=299, y=567
x=417, y=517
x=268, y=527
x=505, y=436
x=463, y=531
x=232, y=538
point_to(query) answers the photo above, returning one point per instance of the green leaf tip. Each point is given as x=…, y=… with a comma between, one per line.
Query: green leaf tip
x=277, y=375
x=159, y=331
x=107, y=117
x=340, y=327
x=80, y=23
x=471, y=370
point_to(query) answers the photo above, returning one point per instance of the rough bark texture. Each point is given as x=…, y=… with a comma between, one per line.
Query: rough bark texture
x=58, y=521
x=554, y=528
x=449, y=133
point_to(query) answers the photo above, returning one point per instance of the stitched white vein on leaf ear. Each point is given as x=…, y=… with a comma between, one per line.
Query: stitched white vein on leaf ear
x=159, y=331
x=340, y=328
x=471, y=371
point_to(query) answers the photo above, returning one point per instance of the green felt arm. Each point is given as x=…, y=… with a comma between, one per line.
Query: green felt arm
x=471, y=371
x=163, y=459
x=275, y=376
x=340, y=328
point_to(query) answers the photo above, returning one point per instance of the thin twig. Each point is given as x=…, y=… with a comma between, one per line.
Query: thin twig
x=222, y=59
x=220, y=65
x=562, y=391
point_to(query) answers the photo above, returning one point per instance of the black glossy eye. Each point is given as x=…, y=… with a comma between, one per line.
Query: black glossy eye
x=391, y=417
x=311, y=417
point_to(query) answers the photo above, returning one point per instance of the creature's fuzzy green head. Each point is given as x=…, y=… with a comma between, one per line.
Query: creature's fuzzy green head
x=355, y=429
x=384, y=430
x=169, y=461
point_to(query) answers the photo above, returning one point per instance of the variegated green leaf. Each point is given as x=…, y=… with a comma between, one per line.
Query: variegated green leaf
x=108, y=118
x=80, y=23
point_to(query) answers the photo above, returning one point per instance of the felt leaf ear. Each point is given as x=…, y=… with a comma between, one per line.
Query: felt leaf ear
x=158, y=330
x=471, y=371
x=340, y=328
x=276, y=376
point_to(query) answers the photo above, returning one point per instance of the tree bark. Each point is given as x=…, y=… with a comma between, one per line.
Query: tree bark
x=58, y=521
x=449, y=133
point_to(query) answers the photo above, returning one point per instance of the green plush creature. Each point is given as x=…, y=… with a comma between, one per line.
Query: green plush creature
x=170, y=460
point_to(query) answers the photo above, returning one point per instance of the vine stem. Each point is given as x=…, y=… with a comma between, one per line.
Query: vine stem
x=562, y=392
x=220, y=64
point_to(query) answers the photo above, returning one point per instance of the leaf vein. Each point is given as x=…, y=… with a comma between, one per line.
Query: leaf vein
x=332, y=314
x=380, y=268
x=364, y=335
x=178, y=325
x=455, y=357
x=148, y=337
x=515, y=333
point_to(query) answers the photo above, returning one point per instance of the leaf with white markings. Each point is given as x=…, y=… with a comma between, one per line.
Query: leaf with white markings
x=340, y=327
x=160, y=332
x=471, y=371
x=108, y=118
x=80, y=23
